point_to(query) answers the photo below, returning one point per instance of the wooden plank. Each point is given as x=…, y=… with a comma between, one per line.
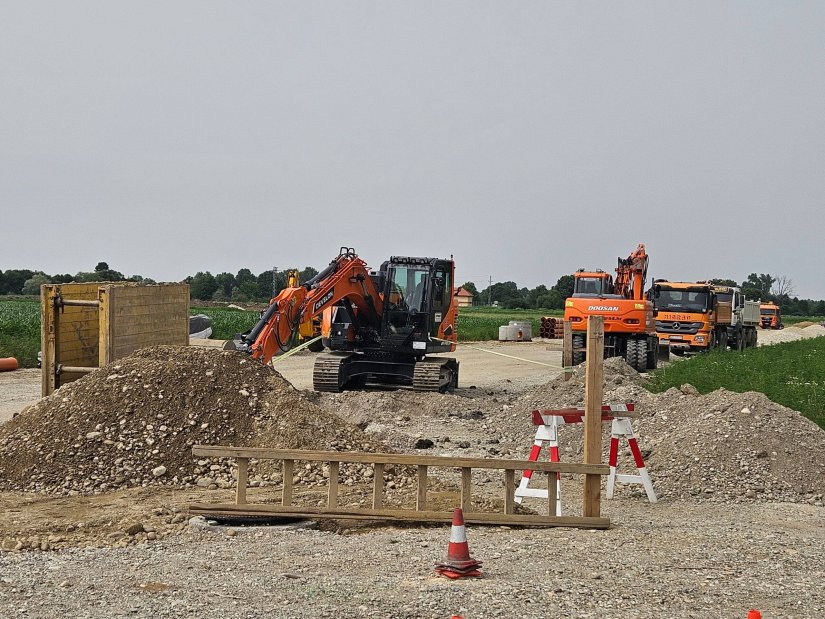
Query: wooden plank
x=421, y=489
x=243, y=476
x=332, y=500
x=552, y=493
x=106, y=322
x=400, y=515
x=47, y=341
x=286, y=497
x=593, y=396
x=384, y=458
x=509, y=491
x=147, y=315
x=567, y=350
x=378, y=485
x=466, y=485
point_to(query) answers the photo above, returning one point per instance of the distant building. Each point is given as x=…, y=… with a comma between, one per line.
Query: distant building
x=462, y=297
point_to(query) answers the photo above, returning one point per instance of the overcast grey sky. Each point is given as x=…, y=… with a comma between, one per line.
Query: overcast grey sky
x=526, y=138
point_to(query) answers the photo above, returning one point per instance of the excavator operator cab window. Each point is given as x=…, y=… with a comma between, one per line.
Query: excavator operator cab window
x=406, y=298
x=590, y=286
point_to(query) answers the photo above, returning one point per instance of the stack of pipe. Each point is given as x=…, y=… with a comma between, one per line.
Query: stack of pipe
x=551, y=327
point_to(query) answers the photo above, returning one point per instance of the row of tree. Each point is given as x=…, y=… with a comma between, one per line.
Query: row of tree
x=246, y=286
x=28, y=282
x=243, y=286
x=764, y=287
x=203, y=286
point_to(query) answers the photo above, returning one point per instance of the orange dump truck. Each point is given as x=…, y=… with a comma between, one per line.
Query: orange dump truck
x=770, y=316
x=629, y=330
x=698, y=316
x=689, y=316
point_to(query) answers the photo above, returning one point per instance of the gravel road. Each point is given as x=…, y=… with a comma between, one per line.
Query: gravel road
x=671, y=559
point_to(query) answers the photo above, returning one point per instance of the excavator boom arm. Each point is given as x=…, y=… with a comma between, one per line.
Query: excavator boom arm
x=632, y=273
x=346, y=277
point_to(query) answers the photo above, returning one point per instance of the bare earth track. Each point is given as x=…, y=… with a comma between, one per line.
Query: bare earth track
x=739, y=524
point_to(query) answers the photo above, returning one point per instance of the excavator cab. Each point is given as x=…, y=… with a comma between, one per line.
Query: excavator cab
x=417, y=303
x=595, y=284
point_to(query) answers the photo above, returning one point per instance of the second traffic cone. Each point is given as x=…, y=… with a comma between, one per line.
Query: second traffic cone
x=458, y=563
x=754, y=614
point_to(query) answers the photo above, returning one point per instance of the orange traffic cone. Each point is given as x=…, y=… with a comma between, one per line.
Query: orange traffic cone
x=754, y=614
x=458, y=563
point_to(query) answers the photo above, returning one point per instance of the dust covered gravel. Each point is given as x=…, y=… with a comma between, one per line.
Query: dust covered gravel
x=665, y=560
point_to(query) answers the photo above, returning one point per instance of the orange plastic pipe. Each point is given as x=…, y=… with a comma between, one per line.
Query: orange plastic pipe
x=7, y=364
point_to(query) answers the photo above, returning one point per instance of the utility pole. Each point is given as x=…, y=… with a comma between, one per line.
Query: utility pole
x=490, y=292
x=274, y=281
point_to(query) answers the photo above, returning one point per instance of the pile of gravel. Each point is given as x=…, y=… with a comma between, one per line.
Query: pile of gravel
x=722, y=446
x=134, y=422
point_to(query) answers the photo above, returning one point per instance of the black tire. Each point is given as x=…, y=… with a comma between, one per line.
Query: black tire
x=740, y=341
x=723, y=340
x=636, y=355
x=653, y=354
x=578, y=356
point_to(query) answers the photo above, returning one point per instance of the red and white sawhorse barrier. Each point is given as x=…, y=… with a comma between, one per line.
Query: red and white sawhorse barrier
x=548, y=424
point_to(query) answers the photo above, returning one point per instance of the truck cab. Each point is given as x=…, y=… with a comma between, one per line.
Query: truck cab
x=690, y=316
x=770, y=316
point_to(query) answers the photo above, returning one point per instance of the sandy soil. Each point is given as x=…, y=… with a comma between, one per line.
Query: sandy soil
x=18, y=390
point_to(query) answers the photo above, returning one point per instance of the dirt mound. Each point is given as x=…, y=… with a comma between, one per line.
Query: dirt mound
x=732, y=446
x=133, y=423
x=813, y=330
x=723, y=446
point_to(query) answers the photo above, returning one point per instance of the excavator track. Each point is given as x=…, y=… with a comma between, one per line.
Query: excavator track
x=432, y=375
x=326, y=374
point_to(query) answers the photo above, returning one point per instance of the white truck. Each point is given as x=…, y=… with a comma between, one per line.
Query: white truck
x=744, y=317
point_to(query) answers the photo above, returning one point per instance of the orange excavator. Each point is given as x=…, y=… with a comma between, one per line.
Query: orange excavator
x=629, y=329
x=380, y=326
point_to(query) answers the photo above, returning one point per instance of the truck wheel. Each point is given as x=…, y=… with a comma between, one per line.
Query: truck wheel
x=653, y=354
x=723, y=340
x=578, y=356
x=636, y=355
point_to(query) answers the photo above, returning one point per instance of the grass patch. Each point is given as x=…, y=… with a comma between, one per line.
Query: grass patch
x=791, y=374
x=792, y=320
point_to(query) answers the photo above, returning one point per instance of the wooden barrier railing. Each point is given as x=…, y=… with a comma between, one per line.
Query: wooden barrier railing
x=380, y=511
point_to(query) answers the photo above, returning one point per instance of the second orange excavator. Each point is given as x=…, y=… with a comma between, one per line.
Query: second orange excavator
x=381, y=326
x=629, y=329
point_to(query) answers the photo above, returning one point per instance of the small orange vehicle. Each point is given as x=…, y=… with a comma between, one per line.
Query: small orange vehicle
x=770, y=316
x=629, y=329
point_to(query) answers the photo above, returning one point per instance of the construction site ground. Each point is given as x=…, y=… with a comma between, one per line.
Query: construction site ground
x=717, y=543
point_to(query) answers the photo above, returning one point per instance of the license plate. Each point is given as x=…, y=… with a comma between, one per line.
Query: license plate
x=675, y=337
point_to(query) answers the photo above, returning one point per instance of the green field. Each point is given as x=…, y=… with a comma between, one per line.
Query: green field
x=791, y=374
x=20, y=330
x=478, y=324
x=227, y=322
